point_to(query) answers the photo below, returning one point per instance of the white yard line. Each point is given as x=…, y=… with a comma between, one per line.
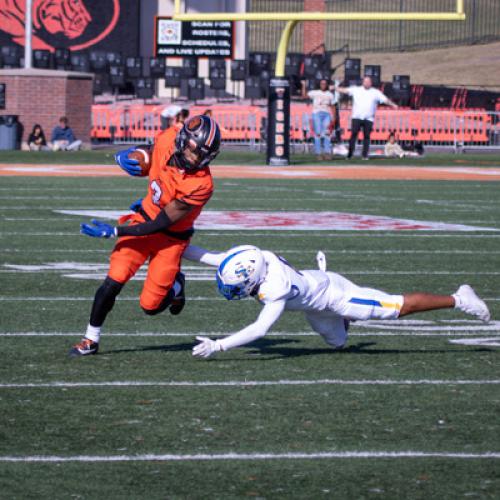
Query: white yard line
x=242, y=383
x=378, y=333
x=91, y=298
x=285, y=251
x=231, y=456
x=421, y=272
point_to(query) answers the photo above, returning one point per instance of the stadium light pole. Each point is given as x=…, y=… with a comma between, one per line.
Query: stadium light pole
x=28, y=28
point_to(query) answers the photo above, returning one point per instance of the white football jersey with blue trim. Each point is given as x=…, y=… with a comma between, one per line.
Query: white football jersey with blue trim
x=302, y=290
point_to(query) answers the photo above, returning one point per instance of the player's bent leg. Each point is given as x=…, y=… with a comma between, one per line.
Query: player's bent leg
x=154, y=305
x=331, y=327
x=164, y=285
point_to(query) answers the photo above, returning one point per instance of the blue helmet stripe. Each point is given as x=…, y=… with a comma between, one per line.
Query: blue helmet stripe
x=228, y=258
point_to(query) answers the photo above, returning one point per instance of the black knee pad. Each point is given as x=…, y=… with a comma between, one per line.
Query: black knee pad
x=111, y=288
x=104, y=300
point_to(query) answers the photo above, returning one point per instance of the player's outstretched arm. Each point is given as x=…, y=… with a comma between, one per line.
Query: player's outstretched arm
x=267, y=317
x=171, y=214
x=199, y=254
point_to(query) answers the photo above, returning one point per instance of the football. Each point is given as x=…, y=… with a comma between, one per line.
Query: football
x=143, y=155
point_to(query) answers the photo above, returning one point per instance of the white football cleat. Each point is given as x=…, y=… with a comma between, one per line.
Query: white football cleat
x=467, y=301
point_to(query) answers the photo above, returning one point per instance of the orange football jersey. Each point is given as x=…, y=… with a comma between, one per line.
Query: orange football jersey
x=168, y=183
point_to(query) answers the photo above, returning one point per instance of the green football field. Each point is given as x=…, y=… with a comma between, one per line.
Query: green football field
x=410, y=409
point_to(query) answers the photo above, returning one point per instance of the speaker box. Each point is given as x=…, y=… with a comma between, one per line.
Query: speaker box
x=238, y=70
x=259, y=62
x=11, y=56
x=313, y=64
x=253, y=88
x=173, y=76
x=401, y=89
x=117, y=76
x=62, y=59
x=80, y=62
x=352, y=69
x=157, y=67
x=133, y=67
x=144, y=88
x=114, y=58
x=292, y=64
x=41, y=59
x=374, y=72
x=98, y=61
x=189, y=67
x=101, y=84
x=196, y=89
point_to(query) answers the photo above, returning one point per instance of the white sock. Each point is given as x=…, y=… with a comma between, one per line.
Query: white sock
x=177, y=288
x=93, y=333
x=458, y=302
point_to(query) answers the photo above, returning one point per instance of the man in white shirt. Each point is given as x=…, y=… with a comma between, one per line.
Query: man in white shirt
x=328, y=300
x=365, y=100
x=323, y=106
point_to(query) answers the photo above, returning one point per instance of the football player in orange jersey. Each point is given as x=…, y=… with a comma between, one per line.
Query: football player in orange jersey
x=180, y=184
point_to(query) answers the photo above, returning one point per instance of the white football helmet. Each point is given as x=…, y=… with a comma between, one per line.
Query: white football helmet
x=241, y=272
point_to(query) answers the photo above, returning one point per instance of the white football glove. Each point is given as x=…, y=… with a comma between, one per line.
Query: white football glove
x=206, y=347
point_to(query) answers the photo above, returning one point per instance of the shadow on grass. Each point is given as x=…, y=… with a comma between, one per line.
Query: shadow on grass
x=282, y=348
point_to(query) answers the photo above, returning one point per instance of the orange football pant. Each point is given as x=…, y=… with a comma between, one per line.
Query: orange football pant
x=164, y=254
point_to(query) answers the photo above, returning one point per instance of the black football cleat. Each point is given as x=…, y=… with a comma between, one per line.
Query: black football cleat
x=84, y=348
x=179, y=301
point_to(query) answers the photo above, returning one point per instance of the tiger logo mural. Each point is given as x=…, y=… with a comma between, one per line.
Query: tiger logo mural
x=54, y=21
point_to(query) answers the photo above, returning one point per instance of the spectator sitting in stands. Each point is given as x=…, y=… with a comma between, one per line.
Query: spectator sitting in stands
x=36, y=140
x=63, y=137
x=393, y=149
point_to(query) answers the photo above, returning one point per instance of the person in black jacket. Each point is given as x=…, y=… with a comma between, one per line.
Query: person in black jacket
x=36, y=140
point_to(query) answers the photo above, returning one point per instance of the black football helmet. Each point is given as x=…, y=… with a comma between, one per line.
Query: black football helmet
x=201, y=135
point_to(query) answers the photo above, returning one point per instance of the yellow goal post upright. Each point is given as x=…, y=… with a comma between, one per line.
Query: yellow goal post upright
x=278, y=129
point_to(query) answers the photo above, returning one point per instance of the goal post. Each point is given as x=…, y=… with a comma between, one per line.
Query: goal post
x=278, y=126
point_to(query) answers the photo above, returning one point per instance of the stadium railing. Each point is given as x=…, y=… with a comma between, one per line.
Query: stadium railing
x=245, y=125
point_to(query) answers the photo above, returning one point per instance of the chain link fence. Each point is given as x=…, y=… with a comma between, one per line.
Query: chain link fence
x=482, y=25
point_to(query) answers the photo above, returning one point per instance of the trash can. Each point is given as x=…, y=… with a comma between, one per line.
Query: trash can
x=9, y=130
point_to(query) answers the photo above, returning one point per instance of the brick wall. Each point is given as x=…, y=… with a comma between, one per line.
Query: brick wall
x=314, y=31
x=43, y=96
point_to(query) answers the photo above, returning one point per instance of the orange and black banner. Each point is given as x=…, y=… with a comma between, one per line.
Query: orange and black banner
x=278, y=129
x=77, y=25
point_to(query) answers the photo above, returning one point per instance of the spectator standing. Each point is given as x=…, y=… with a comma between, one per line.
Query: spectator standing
x=63, y=137
x=323, y=107
x=170, y=116
x=365, y=99
x=36, y=140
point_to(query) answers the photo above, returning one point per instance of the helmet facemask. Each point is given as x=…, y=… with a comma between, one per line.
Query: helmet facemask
x=197, y=143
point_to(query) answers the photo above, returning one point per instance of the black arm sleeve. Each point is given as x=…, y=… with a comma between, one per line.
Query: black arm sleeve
x=161, y=222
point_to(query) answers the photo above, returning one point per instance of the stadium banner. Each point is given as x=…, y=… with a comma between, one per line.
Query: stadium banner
x=75, y=25
x=214, y=39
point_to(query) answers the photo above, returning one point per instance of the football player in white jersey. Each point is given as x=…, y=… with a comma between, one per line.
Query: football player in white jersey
x=328, y=300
